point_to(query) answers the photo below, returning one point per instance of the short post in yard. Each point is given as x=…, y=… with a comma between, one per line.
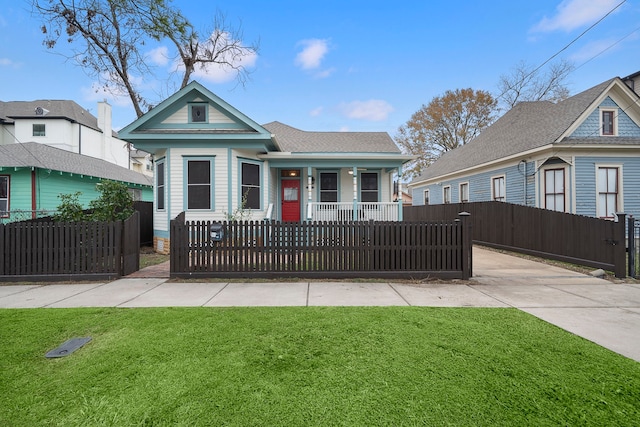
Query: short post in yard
x=631, y=245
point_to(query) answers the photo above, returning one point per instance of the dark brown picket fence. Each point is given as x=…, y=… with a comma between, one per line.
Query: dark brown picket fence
x=321, y=249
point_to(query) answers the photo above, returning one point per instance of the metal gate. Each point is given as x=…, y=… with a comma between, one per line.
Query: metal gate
x=633, y=246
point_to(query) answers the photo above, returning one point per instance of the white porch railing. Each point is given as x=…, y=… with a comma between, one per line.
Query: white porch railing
x=344, y=211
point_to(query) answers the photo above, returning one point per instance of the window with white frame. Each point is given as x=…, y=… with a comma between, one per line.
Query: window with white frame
x=446, y=194
x=328, y=187
x=4, y=196
x=160, y=185
x=39, y=129
x=251, y=185
x=608, y=191
x=554, y=193
x=608, y=122
x=369, y=187
x=426, y=197
x=498, y=191
x=464, y=192
x=199, y=183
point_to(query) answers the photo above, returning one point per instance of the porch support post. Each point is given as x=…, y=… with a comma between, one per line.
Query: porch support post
x=309, y=192
x=399, y=193
x=355, y=193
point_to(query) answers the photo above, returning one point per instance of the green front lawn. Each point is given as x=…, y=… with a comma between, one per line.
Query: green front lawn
x=307, y=366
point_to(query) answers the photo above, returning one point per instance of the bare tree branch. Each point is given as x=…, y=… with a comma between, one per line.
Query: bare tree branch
x=525, y=83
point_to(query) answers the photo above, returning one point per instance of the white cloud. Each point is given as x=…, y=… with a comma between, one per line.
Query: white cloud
x=159, y=56
x=593, y=49
x=324, y=73
x=373, y=110
x=312, y=53
x=572, y=14
x=6, y=62
x=316, y=112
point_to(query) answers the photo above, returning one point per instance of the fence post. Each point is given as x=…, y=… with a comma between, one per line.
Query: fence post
x=467, y=246
x=631, y=245
x=3, y=252
x=620, y=247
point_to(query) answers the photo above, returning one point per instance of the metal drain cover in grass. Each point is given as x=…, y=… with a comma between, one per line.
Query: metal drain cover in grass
x=67, y=347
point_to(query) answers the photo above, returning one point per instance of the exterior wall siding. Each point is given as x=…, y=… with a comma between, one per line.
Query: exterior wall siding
x=480, y=186
x=591, y=126
x=586, y=192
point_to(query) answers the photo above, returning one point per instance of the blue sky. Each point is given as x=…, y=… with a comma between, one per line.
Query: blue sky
x=351, y=65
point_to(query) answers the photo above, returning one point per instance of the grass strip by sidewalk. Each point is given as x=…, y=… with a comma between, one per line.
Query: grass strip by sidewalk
x=305, y=366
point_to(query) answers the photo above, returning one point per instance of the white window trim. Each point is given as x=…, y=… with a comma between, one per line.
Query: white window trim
x=444, y=192
x=620, y=201
x=615, y=120
x=460, y=191
x=425, y=197
x=543, y=193
x=504, y=177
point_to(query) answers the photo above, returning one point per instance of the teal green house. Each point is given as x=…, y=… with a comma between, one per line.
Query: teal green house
x=32, y=175
x=215, y=163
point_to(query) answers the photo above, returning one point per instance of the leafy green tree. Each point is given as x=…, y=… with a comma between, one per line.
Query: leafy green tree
x=70, y=209
x=114, y=204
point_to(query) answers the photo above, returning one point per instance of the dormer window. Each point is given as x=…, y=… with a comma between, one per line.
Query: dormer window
x=198, y=113
x=608, y=122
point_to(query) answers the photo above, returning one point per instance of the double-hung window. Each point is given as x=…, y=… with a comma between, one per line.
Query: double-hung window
x=498, y=192
x=369, y=187
x=199, y=183
x=608, y=122
x=554, y=194
x=39, y=129
x=160, y=186
x=251, y=185
x=464, y=192
x=446, y=194
x=426, y=197
x=608, y=192
x=4, y=196
x=329, y=187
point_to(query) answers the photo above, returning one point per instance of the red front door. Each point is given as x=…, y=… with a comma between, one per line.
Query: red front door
x=290, y=200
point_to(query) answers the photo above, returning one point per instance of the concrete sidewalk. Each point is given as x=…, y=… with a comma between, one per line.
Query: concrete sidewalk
x=598, y=310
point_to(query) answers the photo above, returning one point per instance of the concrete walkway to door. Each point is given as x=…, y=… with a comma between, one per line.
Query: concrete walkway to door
x=596, y=309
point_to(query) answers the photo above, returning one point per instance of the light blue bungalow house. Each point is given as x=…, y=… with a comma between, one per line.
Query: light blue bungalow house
x=215, y=163
x=581, y=155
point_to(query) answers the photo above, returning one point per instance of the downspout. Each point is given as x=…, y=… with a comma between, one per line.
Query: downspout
x=79, y=138
x=524, y=181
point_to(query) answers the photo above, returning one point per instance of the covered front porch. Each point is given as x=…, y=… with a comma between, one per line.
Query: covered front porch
x=332, y=192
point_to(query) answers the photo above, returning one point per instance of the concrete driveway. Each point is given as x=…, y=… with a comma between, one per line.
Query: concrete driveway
x=596, y=309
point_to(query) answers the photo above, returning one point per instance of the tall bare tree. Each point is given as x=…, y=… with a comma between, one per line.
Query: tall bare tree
x=108, y=38
x=447, y=122
x=526, y=83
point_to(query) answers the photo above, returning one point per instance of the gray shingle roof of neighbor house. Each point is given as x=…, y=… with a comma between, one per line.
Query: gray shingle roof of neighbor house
x=526, y=126
x=293, y=140
x=32, y=154
x=58, y=109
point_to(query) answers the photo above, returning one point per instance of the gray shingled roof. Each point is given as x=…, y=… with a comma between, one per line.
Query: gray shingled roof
x=293, y=140
x=32, y=154
x=58, y=109
x=526, y=126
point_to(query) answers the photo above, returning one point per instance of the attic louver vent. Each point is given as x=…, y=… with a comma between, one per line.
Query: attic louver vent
x=41, y=111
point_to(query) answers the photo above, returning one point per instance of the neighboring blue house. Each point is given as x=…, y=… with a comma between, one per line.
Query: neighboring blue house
x=213, y=163
x=581, y=155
